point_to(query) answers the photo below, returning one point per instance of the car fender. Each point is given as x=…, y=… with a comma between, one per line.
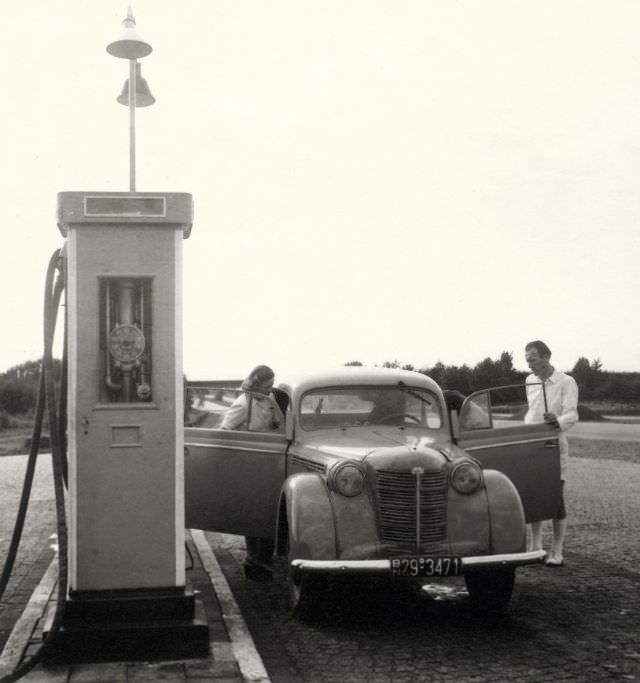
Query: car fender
x=305, y=518
x=506, y=514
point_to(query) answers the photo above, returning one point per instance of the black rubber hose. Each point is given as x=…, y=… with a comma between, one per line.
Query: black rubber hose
x=58, y=460
x=52, y=296
x=33, y=450
x=26, y=487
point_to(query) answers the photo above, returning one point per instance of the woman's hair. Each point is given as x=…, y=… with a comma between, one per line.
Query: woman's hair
x=258, y=375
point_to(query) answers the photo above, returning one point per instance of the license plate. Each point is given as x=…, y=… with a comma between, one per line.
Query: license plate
x=414, y=566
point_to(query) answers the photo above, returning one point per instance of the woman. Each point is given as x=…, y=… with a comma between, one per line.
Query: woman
x=255, y=411
x=251, y=412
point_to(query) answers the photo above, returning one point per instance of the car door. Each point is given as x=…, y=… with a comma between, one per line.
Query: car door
x=492, y=429
x=233, y=477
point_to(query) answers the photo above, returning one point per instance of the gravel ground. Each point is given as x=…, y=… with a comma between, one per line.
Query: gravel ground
x=578, y=623
x=605, y=450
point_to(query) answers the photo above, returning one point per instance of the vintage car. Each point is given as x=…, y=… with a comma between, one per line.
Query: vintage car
x=367, y=474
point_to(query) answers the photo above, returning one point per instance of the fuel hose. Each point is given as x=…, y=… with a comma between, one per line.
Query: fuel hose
x=54, y=287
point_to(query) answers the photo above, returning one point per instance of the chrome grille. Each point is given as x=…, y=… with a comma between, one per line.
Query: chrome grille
x=397, y=500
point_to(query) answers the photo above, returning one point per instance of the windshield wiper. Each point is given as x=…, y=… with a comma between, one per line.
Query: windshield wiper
x=403, y=387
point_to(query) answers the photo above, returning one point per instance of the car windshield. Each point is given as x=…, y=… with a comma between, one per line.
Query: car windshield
x=400, y=406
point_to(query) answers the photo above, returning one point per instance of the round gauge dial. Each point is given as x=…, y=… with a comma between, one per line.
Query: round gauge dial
x=126, y=343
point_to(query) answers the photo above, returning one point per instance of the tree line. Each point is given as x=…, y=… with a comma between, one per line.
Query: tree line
x=594, y=383
x=19, y=384
x=19, y=387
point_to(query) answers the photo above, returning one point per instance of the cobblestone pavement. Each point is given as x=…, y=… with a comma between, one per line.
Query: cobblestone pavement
x=577, y=623
x=35, y=552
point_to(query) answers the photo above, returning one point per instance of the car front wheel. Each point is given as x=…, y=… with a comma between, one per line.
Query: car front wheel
x=306, y=592
x=490, y=591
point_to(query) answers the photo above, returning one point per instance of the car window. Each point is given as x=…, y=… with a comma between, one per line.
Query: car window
x=207, y=407
x=356, y=406
x=476, y=412
x=498, y=407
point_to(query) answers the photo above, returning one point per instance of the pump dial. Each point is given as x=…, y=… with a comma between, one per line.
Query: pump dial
x=126, y=343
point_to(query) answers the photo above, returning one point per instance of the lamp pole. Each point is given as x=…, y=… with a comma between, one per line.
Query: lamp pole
x=132, y=125
x=131, y=46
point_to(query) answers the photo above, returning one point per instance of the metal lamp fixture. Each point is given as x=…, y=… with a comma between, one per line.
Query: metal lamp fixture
x=130, y=45
x=136, y=92
x=143, y=97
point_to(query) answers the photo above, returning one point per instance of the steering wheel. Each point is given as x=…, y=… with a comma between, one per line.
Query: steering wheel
x=386, y=418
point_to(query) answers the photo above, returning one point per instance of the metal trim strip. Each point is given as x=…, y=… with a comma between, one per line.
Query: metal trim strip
x=232, y=448
x=505, y=443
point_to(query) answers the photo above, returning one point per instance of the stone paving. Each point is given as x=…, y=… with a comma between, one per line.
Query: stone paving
x=220, y=665
x=577, y=623
x=35, y=552
x=34, y=557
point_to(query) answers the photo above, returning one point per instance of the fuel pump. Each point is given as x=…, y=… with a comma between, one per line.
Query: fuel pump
x=125, y=394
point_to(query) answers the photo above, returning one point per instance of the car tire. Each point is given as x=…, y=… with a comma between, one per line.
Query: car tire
x=306, y=593
x=490, y=591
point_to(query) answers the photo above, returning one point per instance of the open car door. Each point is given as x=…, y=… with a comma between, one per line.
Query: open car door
x=492, y=429
x=232, y=477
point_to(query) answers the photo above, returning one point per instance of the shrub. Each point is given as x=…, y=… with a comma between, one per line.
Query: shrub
x=16, y=396
x=5, y=420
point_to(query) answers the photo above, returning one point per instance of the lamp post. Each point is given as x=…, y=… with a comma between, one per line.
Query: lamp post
x=132, y=47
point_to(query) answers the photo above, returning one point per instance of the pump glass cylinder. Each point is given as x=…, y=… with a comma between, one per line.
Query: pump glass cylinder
x=125, y=340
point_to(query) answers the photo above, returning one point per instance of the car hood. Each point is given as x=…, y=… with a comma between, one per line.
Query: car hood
x=387, y=446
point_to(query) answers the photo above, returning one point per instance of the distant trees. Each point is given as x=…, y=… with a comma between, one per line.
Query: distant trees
x=588, y=375
x=598, y=384
x=16, y=396
x=595, y=383
x=19, y=386
x=397, y=364
x=486, y=373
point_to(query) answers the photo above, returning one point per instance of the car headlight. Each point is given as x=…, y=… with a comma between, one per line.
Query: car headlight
x=466, y=477
x=347, y=479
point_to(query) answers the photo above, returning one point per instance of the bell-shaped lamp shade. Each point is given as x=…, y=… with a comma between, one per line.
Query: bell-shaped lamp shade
x=144, y=98
x=129, y=45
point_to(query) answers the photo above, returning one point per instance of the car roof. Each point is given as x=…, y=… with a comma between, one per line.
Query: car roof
x=355, y=375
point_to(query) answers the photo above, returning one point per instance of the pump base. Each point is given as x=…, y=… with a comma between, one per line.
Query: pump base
x=129, y=625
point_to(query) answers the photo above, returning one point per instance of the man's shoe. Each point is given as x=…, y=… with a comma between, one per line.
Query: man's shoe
x=554, y=561
x=255, y=572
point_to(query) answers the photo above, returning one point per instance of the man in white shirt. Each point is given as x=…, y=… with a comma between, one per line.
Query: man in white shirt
x=557, y=405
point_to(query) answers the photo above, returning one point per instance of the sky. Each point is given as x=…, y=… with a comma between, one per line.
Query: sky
x=384, y=180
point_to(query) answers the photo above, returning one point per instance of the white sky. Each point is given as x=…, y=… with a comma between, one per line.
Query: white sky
x=372, y=181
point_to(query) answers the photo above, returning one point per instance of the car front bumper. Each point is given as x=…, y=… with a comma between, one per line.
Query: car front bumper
x=382, y=567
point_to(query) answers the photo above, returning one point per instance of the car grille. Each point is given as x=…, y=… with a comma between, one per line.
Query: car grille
x=401, y=529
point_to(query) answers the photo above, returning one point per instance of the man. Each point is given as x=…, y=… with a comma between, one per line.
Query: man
x=556, y=405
